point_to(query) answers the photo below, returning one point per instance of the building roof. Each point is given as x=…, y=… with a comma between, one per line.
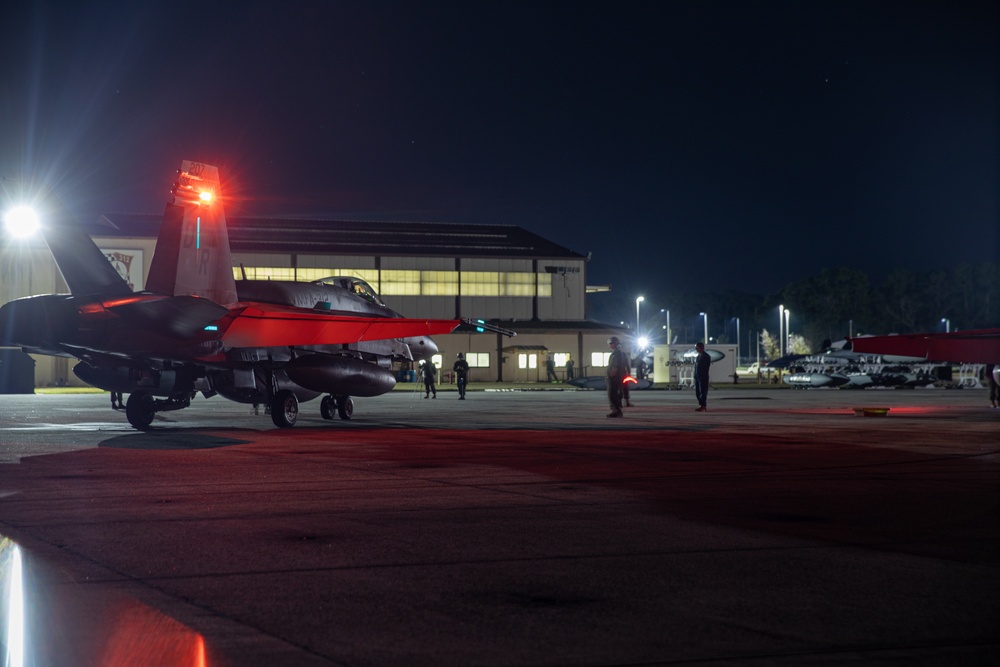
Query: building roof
x=359, y=237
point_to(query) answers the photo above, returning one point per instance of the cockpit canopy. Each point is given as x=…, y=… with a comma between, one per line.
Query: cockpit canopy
x=354, y=285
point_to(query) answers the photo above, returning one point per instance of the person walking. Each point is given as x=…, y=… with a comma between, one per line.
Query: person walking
x=617, y=370
x=702, y=365
x=569, y=368
x=429, y=372
x=461, y=369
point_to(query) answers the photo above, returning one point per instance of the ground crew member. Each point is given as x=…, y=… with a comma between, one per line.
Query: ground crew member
x=461, y=369
x=702, y=365
x=618, y=368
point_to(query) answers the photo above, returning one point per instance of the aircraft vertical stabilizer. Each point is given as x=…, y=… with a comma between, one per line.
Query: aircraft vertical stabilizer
x=83, y=266
x=192, y=251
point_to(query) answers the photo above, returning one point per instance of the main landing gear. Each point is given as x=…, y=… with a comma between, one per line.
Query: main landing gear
x=344, y=405
x=141, y=407
x=284, y=409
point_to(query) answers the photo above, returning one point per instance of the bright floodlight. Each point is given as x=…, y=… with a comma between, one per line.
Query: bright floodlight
x=205, y=196
x=21, y=221
x=643, y=343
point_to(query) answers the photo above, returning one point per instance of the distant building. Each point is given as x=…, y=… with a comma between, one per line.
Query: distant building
x=500, y=273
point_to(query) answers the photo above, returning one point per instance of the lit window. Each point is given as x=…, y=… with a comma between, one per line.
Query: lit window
x=478, y=359
x=599, y=359
x=439, y=283
x=545, y=284
x=480, y=283
x=400, y=283
x=527, y=361
x=370, y=276
x=560, y=359
x=517, y=283
x=265, y=272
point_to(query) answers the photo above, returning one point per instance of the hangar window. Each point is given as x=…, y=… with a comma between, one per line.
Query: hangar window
x=527, y=360
x=544, y=284
x=370, y=276
x=264, y=273
x=599, y=359
x=439, y=283
x=400, y=283
x=478, y=359
x=480, y=283
x=517, y=283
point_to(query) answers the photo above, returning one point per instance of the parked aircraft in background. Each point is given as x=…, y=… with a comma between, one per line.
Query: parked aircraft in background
x=197, y=329
x=839, y=365
x=978, y=346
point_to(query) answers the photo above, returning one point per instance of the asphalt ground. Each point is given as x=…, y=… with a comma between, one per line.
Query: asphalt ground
x=512, y=528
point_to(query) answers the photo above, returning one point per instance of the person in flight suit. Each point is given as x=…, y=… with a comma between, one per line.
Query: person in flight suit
x=618, y=368
x=461, y=369
x=702, y=364
x=429, y=373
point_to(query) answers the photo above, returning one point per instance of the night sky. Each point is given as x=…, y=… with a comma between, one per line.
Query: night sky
x=696, y=146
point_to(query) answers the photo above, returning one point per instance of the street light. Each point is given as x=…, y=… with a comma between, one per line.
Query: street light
x=947, y=324
x=664, y=310
x=705, y=316
x=737, y=341
x=638, y=300
x=781, y=331
x=788, y=332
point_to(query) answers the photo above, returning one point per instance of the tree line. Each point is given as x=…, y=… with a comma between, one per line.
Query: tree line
x=838, y=302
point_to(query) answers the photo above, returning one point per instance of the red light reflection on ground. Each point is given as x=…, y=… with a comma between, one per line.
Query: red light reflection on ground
x=141, y=635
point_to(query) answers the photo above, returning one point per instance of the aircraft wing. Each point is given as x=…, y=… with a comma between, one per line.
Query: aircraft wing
x=264, y=325
x=980, y=346
x=179, y=316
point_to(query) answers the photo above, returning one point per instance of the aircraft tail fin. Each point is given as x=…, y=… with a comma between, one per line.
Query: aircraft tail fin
x=84, y=267
x=192, y=252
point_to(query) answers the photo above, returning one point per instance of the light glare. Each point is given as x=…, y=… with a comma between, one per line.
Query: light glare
x=21, y=221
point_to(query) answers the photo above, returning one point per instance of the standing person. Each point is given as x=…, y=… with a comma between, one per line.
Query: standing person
x=569, y=368
x=617, y=370
x=461, y=369
x=701, y=367
x=429, y=372
x=550, y=369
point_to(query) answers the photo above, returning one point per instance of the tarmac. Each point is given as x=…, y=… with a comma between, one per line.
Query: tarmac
x=781, y=527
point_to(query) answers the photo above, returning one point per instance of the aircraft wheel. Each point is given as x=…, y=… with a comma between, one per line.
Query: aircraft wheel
x=345, y=407
x=284, y=409
x=327, y=407
x=140, y=409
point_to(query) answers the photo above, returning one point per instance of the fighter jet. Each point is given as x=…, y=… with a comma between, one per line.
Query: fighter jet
x=197, y=329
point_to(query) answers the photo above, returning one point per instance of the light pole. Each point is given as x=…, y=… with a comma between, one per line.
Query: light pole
x=947, y=324
x=638, y=300
x=781, y=330
x=737, y=341
x=788, y=332
x=667, y=327
x=705, y=316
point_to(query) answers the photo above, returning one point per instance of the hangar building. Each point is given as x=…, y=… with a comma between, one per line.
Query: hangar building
x=500, y=273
